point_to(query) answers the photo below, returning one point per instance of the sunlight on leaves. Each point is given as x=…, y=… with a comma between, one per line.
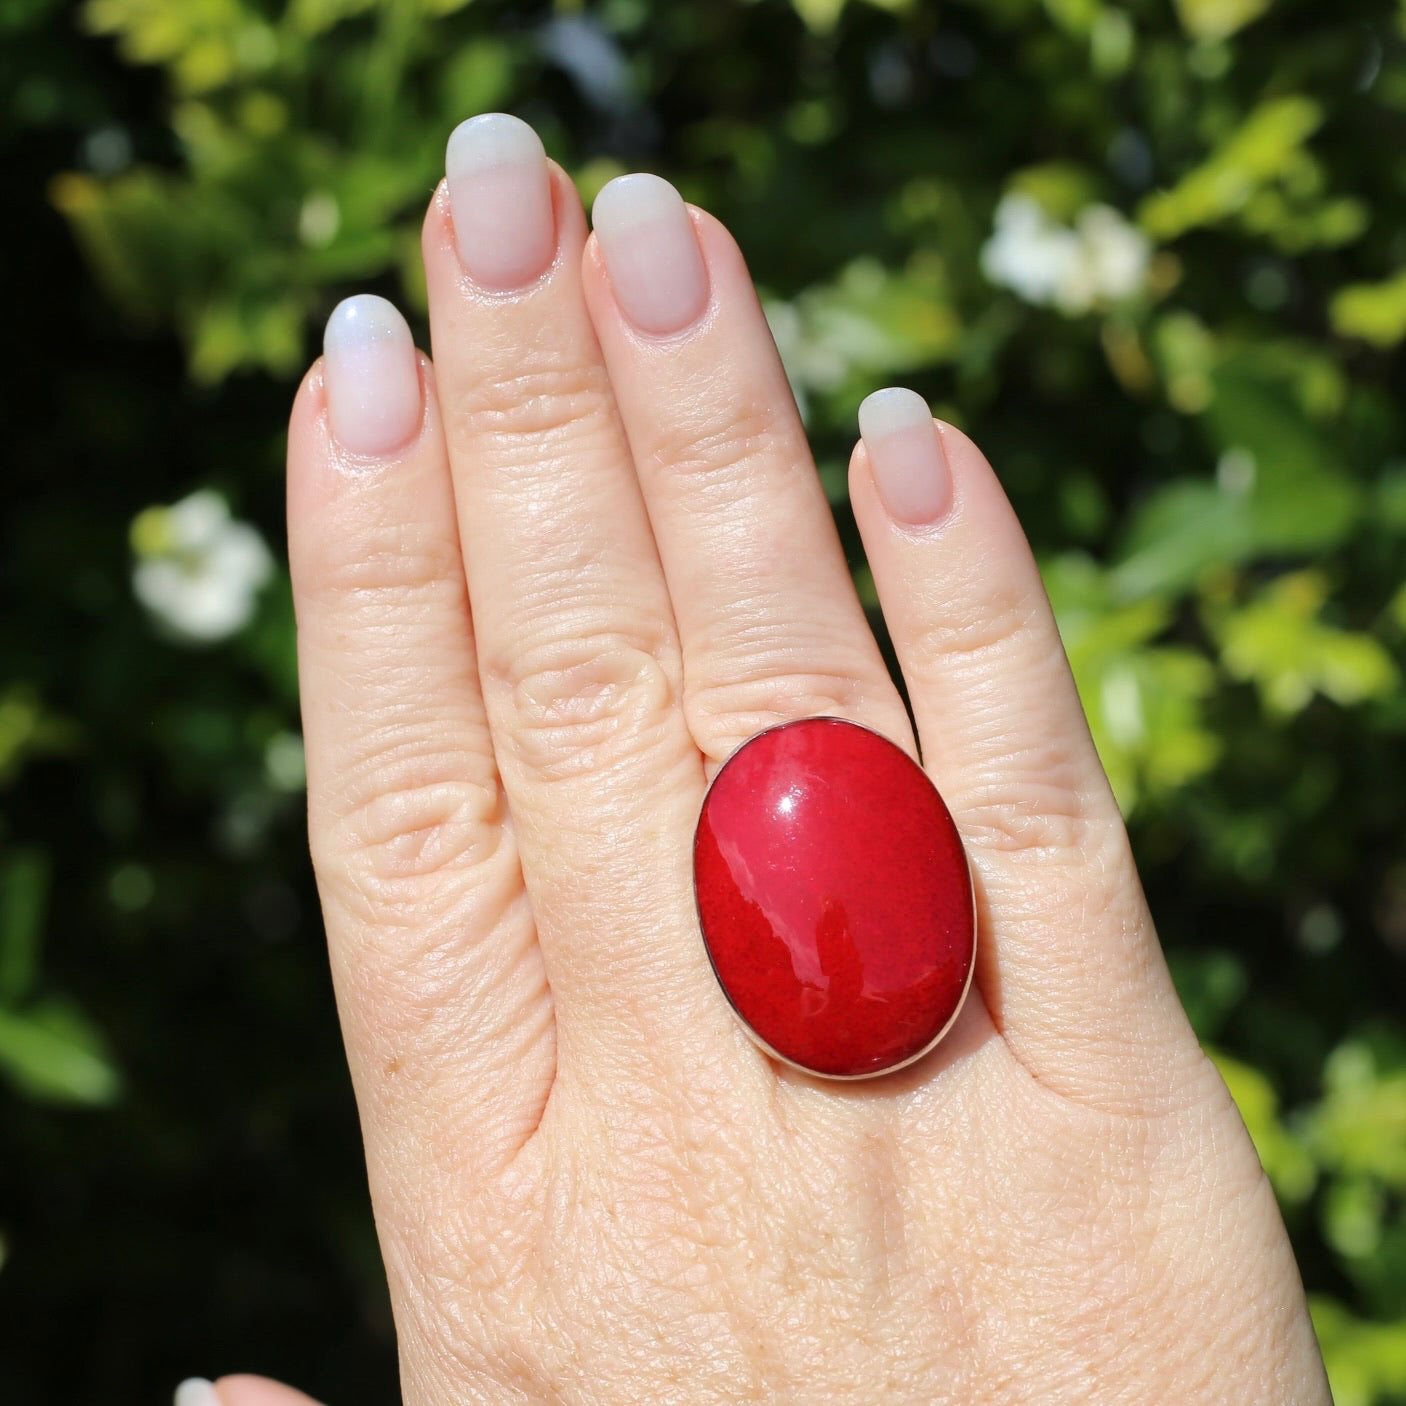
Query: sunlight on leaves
x=1366, y=1361
x=1375, y=312
x=202, y=43
x=1359, y=1127
x=866, y=326
x=1281, y=644
x=312, y=17
x=1261, y=150
x=823, y=15
x=1218, y=19
x=1279, y=487
x=1143, y=699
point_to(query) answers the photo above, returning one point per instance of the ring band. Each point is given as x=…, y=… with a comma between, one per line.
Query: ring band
x=835, y=898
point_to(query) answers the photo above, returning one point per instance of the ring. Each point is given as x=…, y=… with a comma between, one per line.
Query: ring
x=835, y=898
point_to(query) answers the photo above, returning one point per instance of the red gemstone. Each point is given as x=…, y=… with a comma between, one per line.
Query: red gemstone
x=834, y=897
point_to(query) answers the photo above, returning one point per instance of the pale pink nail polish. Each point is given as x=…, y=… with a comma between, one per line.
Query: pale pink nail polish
x=905, y=453
x=372, y=377
x=500, y=194
x=651, y=253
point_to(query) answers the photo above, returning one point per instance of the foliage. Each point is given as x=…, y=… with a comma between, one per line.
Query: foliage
x=1151, y=257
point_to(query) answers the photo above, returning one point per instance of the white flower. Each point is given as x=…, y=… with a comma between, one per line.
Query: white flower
x=1101, y=259
x=1027, y=252
x=198, y=570
x=1116, y=252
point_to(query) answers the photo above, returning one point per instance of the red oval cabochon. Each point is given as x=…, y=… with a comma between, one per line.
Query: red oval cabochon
x=834, y=897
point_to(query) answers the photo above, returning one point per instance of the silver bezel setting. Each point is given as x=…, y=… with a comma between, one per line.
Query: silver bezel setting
x=742, y=1020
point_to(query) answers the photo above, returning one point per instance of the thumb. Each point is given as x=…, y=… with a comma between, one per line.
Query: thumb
x=239, y=1391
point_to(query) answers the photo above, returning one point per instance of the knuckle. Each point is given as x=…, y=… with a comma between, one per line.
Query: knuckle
x=1025, y=815
x=582, y=705
x=396, y=566
x=1000, y=622
x=411, y=815
x=703, y=445
x=421, y=829
x=1026, y=785
x=722, y=715
x=536, y=405
x=767, y=669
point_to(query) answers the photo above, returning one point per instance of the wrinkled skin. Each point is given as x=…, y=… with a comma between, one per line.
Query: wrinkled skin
x=590, y=1187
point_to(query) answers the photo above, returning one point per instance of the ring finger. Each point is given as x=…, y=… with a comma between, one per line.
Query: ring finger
x=770, y=625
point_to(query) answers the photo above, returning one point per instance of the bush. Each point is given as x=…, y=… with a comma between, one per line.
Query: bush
x=1153, y=258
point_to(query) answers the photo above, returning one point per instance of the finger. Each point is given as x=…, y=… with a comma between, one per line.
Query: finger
x=576, y=643
x=1071, y=969
x=439, y=982
x=770, y=624
x=245, y=1390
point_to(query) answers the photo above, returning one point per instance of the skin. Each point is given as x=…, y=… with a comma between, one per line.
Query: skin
x=590, y=1187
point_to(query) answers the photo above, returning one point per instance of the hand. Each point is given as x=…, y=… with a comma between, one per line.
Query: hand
x=544, y=588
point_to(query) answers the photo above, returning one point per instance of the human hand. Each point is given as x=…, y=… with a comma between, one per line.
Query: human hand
x=543, y=590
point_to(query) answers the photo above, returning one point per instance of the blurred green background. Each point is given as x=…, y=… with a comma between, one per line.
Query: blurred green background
x=1152, y=255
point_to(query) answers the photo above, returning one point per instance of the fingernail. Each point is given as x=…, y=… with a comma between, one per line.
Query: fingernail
x=500, y=192
x=910, y=469
x=372, y=377
x=651, y=252
x=196, y=1391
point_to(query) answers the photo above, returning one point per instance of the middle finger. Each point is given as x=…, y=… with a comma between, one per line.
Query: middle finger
x=578, y=657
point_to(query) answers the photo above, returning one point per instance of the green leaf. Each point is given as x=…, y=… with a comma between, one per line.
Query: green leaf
x=1177, y=534
x=823, y=15
x=202, y=43
x=1075, y=17
x=1298, y=495
x=1143, y=700
x=1262, y=149
x=1280, y=643
x=1218, y=19
x=1353, y=1211
x=24, y=892
x=1375, y=312
x=1294, y=224
x=314, y=17
x=1359, y=1126
x=820, y=15
x=1061, y=188
x=228, y=336
x=1280, y=489
x=52, y=1053
x=1366, y=1361
x=28, y=729
x=478, y=78
x=146, y=240
x=870, y=324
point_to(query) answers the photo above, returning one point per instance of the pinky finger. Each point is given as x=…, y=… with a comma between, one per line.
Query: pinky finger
x=1072, y=968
